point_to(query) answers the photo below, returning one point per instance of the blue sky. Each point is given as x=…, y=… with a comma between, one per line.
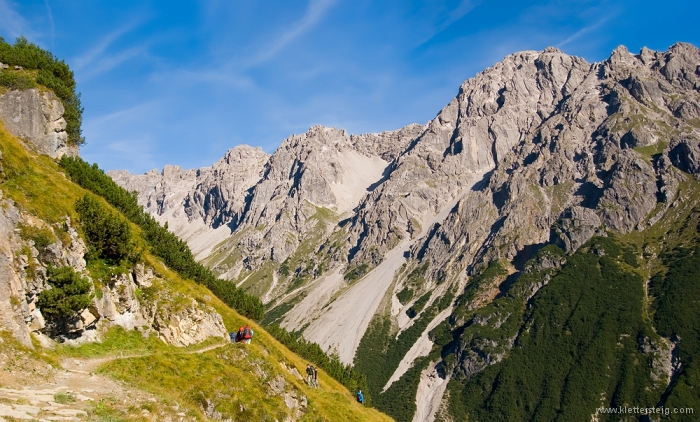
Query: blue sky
x=176, y=82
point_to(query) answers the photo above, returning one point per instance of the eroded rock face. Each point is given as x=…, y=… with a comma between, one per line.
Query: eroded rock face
x=190, y=325
x=37, y=118
x=685, y=154
x=195, y=203
x=575, y=227
x=13, y=309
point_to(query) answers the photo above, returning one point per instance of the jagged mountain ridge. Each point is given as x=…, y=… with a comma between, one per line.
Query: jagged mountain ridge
x=567, y=149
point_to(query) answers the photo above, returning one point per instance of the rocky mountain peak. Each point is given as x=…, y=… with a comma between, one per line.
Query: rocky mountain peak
x=540, y=148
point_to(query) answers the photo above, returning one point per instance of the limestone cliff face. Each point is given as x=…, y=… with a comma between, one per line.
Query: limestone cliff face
x=540, y=148
x=37, y=118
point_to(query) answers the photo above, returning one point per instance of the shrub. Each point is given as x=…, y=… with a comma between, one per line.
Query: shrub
x=108, y=234
x=42, y=237
x=356, y=273
x=69, y=294
x=13, y=80
x=405, y=295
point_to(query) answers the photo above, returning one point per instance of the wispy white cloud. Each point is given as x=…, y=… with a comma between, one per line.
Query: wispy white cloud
x=584, y=31
x=464, y=7
x=138, y=152
x=98, y=59
x=314, y=12
x=112, y=139
x=444, y=18
x=217, y=76
x=13, y=23
x=108, y=62
x=120, y=117
x=98, y=50
x=233, y=72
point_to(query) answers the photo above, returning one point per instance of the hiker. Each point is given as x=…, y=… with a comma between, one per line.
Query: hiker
x=360, y=397
x=247, y=334
x=239, y=335
x=315, y=376
x=310, y=375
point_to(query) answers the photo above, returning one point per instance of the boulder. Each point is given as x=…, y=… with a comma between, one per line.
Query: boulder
x=685, y=154
x=575, y=227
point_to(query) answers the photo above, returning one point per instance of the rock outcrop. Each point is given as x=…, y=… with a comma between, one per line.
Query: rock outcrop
x=37, y=118
x=12, y=287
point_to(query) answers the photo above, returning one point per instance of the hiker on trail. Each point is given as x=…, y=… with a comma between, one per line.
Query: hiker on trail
x=239, y=335
x=310, y=374
x=315, y=376
x=360, y=397
x=247, y=334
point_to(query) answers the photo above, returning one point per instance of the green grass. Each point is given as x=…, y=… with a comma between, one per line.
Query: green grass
x=649, y=151
x=559, y=194
x=260, y=281
x=143, y=360
x=64, y=397
x=35, y=183
x=233, y=377
x=117, y=341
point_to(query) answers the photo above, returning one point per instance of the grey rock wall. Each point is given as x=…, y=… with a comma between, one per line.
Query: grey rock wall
x=37, y=118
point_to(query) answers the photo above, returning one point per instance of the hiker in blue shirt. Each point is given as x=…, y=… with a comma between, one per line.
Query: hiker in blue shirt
x=360, y=397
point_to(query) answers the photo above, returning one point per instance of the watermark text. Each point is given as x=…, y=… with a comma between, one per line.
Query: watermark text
x=637, y=410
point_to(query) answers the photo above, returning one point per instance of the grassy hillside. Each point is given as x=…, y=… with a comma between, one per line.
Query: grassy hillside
x=252, y=382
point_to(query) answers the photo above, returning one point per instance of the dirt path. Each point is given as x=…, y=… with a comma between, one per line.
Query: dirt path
x=87, y=366
x=70, y=393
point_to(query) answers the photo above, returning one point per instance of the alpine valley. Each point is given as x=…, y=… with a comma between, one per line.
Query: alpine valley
x=531, y=253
